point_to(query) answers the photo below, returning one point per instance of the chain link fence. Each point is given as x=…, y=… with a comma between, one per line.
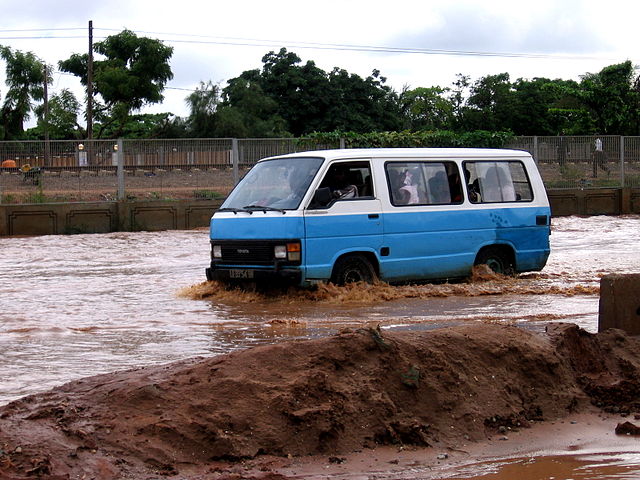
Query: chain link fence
x=107, y=170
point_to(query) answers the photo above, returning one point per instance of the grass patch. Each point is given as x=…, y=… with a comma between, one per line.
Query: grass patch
x=207, y=195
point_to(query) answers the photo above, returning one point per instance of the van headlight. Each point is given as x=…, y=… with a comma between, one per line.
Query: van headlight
x=216, y=251
x=289, y=251
x=280, y=251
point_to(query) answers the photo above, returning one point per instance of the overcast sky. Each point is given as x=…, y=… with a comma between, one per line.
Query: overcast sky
x=402, y=38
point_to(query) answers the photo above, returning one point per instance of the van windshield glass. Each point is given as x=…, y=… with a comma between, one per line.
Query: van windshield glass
x=274, y=184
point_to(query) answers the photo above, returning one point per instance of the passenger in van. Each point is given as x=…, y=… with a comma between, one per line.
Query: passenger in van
x=408, y=192
x=455, y=185
x=338, y=182
x=490, y=186
x=506, y=185
x=439, y=188
x=472, y=187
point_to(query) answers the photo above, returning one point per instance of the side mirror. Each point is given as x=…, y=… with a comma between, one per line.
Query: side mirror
x=321, y=198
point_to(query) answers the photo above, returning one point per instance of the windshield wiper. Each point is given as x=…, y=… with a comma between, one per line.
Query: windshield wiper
x=264, y=209
x=229, y=209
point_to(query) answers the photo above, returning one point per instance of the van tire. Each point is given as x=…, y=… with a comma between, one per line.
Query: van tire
x=497, y=259
x=352, y=269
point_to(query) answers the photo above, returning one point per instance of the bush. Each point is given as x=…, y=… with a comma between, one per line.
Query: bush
x=439, y=138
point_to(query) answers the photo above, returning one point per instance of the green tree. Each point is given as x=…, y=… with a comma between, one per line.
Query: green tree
x=309, y=99
x=62, y=122
x=458, y=99
x=427, y=108
x=25, y=77
x=490, y=104
x=149, y=125
x=612, y=97
x=298, y=90
x=360, y=104
x=203, y=103
x=133, y=73
x=247, y=112
x=537, y=105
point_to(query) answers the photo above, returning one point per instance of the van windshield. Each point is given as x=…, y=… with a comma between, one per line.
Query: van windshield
x=274, y=184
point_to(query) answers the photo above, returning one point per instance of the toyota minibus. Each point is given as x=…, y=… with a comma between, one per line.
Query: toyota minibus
x=395, y=215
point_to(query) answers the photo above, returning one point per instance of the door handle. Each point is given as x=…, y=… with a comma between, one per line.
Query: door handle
x=374, y=216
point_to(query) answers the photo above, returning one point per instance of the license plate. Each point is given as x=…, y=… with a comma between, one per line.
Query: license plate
x=240, y=273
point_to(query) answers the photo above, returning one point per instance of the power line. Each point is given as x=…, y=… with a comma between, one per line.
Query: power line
x=342, y=46
x=40, y=29
x=179, y=88
x=43, y=37
x=195, y=39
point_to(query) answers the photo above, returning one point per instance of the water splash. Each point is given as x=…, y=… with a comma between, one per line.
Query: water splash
x=483, y=281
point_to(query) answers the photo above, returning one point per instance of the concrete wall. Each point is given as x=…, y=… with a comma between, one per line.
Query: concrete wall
x=595, y=201
x=101, y=217
x=620, y=303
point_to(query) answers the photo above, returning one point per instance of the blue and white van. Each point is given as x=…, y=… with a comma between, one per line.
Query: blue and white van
x=397, y=215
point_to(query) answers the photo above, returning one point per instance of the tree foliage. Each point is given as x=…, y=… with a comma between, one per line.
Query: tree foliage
x=613, y=99
x=132, y=73
x=62, y=120
x=440, y=138
x=427, y=108
x=286, y=97
x=203, y=103
x=248, y=110
x=25, y=77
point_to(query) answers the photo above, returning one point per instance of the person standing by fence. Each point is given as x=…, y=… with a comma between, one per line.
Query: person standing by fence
x=599, y=159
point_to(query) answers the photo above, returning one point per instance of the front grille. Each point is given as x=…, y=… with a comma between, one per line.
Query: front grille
x=243, y=253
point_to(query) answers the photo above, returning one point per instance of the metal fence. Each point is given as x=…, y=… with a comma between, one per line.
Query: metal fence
x=585, y=161
x=106, y=170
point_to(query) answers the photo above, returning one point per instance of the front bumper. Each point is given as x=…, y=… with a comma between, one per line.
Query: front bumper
x=229, y=274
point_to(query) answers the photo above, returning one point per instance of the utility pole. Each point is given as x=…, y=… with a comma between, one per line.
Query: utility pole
x=47, y=146
x=90, y=84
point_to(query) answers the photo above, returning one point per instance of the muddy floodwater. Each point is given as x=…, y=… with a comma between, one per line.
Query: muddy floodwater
x=73, y=306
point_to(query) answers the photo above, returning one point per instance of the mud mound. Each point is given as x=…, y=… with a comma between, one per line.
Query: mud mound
x=354, y=390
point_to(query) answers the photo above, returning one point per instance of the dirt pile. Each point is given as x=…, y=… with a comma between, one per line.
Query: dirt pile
x=355, y=390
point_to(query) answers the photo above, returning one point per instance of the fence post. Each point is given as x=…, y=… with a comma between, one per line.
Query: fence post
x=120, y=170
x=622, y=161
x=342, y=143
x=235, y=160
x=535, y=148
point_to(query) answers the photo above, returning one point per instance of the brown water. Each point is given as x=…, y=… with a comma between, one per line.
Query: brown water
x=72, y=306
x=589, y=466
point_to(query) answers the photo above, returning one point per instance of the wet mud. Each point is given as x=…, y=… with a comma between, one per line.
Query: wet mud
x=357, y=390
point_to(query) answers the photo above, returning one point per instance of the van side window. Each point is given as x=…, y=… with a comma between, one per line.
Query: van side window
x=424, y=183
x=491, y=182
x=344, y=181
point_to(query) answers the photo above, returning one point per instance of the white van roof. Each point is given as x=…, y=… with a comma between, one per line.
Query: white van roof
x=466, y=153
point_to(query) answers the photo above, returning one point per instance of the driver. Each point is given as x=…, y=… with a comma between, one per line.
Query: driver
x=338, y=183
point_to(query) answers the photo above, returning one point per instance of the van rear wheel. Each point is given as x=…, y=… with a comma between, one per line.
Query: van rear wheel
x=497, y=259
x=352, y=269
